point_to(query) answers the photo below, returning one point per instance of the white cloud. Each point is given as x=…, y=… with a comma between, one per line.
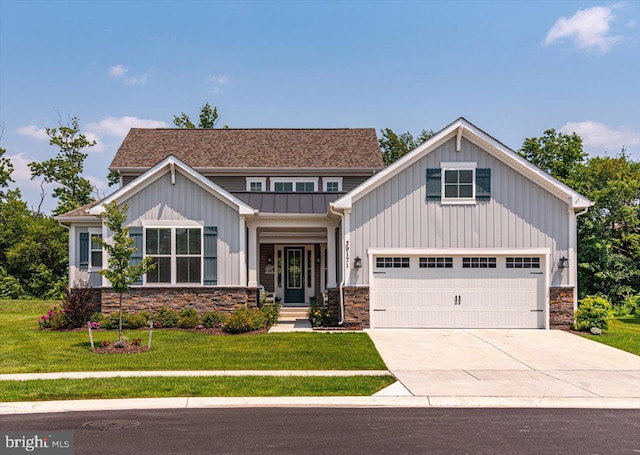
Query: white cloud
x=217, y=81
x=33, y=132
x=21, y=172
x=118, y=127
x=588, y=28
x=120, y=72
x=602, y=137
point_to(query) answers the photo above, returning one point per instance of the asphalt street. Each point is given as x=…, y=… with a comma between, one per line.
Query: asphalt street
x=348, y=431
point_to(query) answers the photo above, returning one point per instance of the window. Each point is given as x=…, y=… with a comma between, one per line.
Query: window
x=176, y=254
x=256, y=185
x=458, y=183
x=294, y=184
x=96, y=250
x=478, y=263
x=158, y=247
x=332, y=184
x=523, y=263
x=283, y=187
x=436, y=263
x=188, y=255
x=392, y=263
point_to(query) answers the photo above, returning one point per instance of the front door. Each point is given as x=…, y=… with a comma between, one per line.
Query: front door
x=294, y=275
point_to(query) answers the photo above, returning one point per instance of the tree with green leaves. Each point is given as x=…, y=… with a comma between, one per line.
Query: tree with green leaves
x=120, y=272
x=394, y=146
x=66, y=168
x=6, y=168
x=208, y=118
x=556, y=153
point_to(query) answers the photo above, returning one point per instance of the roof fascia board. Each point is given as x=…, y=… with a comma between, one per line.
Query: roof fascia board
x=260, y=170
x=479, y=137
x=77, y=219
x=346, y=201
x=159, y=170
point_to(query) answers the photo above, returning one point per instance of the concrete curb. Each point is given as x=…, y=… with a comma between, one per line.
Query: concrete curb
x=14, y=408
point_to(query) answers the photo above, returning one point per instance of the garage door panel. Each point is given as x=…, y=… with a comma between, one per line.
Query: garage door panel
x=457, y=297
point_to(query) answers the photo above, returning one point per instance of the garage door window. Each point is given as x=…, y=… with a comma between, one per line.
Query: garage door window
x=392, y=263
x=436, y=263
x=523, y=263
x=478, y=263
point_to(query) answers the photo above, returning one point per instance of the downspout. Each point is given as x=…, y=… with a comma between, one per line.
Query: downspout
x=344, y=271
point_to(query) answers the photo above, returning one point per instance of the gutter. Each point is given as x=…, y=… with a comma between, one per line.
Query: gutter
x=344, y=272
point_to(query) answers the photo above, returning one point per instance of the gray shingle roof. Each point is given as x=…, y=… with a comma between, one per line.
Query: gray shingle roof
x=251, y=148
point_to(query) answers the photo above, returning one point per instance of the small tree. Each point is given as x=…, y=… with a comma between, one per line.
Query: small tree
x=120, y=272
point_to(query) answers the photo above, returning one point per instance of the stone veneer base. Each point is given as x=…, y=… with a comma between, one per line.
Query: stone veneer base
x=201, y=299
x=561, y=306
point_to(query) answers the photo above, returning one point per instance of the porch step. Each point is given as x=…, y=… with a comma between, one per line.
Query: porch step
x=293, y=313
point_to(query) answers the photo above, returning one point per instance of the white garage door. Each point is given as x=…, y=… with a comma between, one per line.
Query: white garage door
x=458, y=292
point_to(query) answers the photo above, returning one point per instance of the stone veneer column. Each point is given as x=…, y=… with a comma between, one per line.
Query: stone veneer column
x=561, y=307
x=356, y=307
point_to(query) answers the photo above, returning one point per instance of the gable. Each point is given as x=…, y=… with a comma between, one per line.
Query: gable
x=460, y=134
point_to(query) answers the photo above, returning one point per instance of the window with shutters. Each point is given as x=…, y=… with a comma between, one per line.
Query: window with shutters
x=90, y=250
x=179, y=256
x=458, y=183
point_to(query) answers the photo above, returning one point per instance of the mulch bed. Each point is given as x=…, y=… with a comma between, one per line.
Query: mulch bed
x=128, y=348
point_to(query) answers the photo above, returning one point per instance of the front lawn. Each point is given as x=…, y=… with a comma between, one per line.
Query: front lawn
x=25, y=349
x=156, y=387
x=623, y=333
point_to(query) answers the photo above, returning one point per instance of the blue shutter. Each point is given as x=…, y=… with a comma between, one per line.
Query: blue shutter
x=84, y=251
x=135, y=233
x=483, y=184
x=210, y=255
x=434, y=185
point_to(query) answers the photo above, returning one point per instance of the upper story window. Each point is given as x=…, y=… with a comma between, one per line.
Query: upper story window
x=458, y=183
x=294, y=184
x=332, y=184
x=256, y=185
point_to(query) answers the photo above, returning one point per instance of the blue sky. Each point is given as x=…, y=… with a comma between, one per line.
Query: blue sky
x=514, y=69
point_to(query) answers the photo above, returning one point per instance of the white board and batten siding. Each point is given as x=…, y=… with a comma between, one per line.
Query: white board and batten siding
x=519, y=215
x=189, y=202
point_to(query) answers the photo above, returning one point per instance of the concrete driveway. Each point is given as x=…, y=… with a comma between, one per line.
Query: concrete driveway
x=507, y=363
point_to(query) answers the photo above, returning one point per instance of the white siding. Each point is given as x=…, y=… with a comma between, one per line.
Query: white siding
x=520, y=213
x=186, y=200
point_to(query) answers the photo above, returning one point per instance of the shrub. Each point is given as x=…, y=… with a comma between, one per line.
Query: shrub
x=320, y=315
x=78, y=305
x=213, y=319
x=188, y=318
x=10, y=287
x=129, y=321
x=96, y=317
x=244, y=320
x=271, y=312
x=593, y=311
x=166, y=318
x=55, y=319
x=632, y=305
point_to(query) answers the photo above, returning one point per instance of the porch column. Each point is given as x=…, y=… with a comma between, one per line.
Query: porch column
x=252, y=253
x=331, y=258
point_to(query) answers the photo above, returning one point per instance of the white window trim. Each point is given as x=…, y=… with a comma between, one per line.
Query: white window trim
x=92, y=232
x=326, y=180
x=261, y=180
x=172, y=227
x=294, y=180
x=458, y=166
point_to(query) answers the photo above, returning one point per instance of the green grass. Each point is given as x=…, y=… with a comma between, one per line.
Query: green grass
x=623, y=333
x=226, y=386
x=25, y=349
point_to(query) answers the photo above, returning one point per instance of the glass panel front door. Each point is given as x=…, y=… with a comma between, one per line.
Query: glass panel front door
x=294, y=276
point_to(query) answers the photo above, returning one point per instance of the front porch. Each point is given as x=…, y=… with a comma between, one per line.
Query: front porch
x=293, y=258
